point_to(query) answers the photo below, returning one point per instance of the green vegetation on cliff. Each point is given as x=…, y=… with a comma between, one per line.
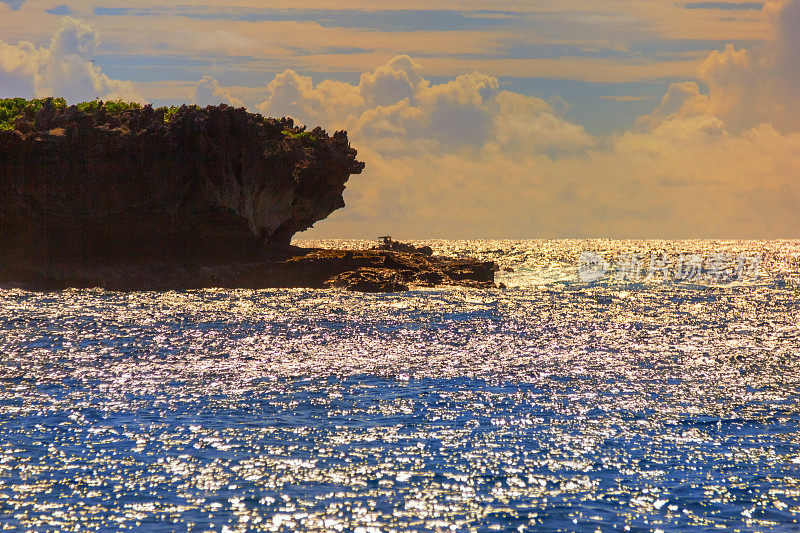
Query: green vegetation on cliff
x=39, y=114
x=169, y=112
x=12, y=109
x=306, y=137
x=112, y=108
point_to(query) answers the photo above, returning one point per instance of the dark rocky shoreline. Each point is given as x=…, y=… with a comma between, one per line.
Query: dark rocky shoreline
x=126, y=197
x=356, y=270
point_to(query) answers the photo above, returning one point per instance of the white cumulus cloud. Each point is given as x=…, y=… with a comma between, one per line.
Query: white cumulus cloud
x=746, y=87
x=465, y=158
x=63, y=68
x=208, y=91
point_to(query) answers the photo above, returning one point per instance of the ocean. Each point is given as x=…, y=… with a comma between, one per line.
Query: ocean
x=611, y=386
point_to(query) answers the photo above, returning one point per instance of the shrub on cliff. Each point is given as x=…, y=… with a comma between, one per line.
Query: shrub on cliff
x=306, y=137
x=12, y=109
x=114, y=107
x=170, y=112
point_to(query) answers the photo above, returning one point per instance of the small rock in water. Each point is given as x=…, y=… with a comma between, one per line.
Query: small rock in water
x=370, y=280
x=387, y=243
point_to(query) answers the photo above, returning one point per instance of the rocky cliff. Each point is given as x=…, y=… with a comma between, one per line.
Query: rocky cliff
x=127, y=197
x=111, y=184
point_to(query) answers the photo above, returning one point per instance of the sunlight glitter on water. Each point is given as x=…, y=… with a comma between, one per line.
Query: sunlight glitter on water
x=553, y=405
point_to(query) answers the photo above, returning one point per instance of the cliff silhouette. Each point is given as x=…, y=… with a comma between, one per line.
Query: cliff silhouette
x=124, y=196
x=120, y=181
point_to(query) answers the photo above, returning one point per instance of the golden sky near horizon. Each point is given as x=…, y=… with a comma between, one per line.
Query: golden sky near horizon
x=609, y=118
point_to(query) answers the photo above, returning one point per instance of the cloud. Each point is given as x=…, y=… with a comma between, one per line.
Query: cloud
x=746, y=87
x=398, y=79
x=465, y=159
x=461, y=158
x=64, y=68
x=682, y=100
x=625, y=98
x=688, y=178
x=448, y=116
x=329, y=102
x=17, y=71
x=393, y=107
x=207, y=92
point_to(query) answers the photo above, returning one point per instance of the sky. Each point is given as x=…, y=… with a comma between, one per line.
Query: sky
x=512, y=119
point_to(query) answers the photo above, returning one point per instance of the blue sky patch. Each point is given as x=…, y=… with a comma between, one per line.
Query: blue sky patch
x=386, y=20
x=726, y=5
x=13, y=4
x=59, y=10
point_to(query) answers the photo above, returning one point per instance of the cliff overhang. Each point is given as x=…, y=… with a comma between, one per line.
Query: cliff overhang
x=124, y=196
x=118, y=181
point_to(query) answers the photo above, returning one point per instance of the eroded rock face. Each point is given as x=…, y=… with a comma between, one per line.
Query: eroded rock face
x=213, y=184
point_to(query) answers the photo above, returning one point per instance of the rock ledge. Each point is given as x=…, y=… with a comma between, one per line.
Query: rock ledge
x=354, y=270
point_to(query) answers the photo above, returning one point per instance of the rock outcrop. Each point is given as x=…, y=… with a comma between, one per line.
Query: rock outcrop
x=135, y=198
x=369, y=280
x=387, y=243
x=355, y=270
x=202, y=184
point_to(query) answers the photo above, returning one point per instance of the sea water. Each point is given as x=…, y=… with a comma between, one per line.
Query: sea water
x=644, y=403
